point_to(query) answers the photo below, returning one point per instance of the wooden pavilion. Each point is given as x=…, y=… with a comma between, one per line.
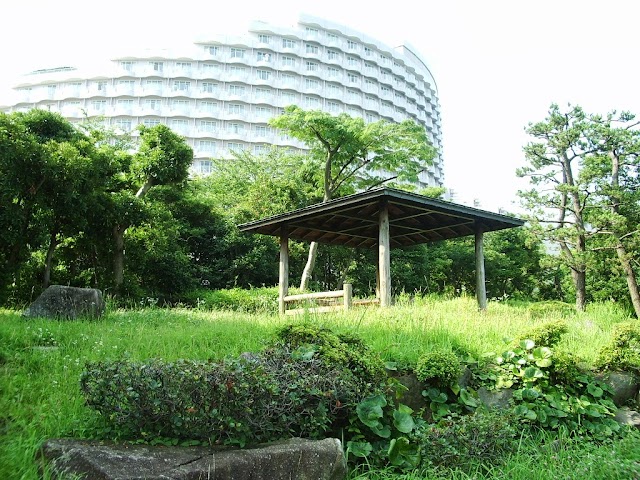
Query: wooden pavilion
x=385, y=218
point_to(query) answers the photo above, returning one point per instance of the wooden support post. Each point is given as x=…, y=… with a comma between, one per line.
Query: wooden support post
x=481, y=289
x=348, y=295
x=283, y=283
x=384, y=256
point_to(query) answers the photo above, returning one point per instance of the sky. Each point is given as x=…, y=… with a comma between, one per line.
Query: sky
x=498, y=64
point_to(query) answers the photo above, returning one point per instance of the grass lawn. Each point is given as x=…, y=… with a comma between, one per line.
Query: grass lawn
x=41, y=362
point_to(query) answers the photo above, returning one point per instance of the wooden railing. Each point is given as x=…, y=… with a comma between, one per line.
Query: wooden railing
x=322, y=302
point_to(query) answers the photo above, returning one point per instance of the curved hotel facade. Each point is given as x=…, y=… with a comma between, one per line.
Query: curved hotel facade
x=220, y=92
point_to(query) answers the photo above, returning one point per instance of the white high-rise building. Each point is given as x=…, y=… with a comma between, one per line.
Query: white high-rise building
x=220, y=92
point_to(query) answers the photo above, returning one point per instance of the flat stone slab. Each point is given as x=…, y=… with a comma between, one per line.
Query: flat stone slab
x=294, y=459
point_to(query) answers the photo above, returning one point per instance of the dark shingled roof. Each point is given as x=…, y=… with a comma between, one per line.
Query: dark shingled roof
x=352, y=221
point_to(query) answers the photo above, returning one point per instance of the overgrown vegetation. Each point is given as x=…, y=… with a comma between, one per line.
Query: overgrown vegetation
x=42, y=363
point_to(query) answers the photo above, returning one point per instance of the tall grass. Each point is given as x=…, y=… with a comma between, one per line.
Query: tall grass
x=41, y=360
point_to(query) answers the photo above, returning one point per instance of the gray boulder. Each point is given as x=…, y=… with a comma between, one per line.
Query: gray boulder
x=69, y=303
x=625, y=416
x=623, y=384
x=292, y=459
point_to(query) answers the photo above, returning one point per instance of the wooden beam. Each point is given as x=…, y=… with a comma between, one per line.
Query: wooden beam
x=384, y=256
x=481, y=289
x=283, y=283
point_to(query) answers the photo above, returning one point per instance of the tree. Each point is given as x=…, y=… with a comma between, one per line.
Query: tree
x=354, y=155
x=612, y=172
x=557, y=200
x=163, y=158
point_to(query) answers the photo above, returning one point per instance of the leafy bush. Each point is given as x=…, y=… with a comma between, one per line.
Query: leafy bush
x=623, y=352
x=438, y=367
x=258, y=398
x=337, y=350
x=551, y=308
x=546, y=335
x=583, y=406
x=465, y=442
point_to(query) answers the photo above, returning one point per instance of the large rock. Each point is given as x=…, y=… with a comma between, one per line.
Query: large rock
x=292, y=459
x=624, y=386
x=61, y=302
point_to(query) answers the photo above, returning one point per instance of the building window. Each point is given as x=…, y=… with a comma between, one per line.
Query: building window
x=332, y=36
x=263, y=56
x=208, y=125
x=183, y=64
x=288, y=61
x=150, y=122
x=312, y=67
x=312, y=48
x=123, y=124
x=263, y=111
x=311, y=102
x=234, y=70
x=237, y=53
x=287, y=43
x=152, y=103
x=288, y=79
x=333, y=72
x=312, y=31
x=102, y=86
x=386, y=90
x=333, y=55
x=235, y=127
x=368, y=52
x=353, y=61
x=210, y=107
x=153, y=83
x=262, y=38
x=288, y=97
x=260, y=149
x=210, y=67
x=236, y=90
x=99, y=104
x=205, y=167
x=127, y=66
x=263, y=93
x=208, y=146
x=157, y=66
x=213, y=50
x=261, y=131
x=263, y=74
x=353, y=78
x=235, y=147
x=311, y=83
x=209, y=87
x=335, y=89
x=125, y=102
x=351, y=45
x=181, y=86
x=333, y=106
x=236, y=108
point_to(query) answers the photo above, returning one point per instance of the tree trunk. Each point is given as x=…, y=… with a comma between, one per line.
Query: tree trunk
x=53, y=243
x=632, y=282
x=118, y=256
x=580, y=284
x=308, y=268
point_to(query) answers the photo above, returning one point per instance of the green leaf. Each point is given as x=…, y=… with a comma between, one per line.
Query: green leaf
x=403, y=421
x=359, y=449
x=595, y=390
x=527, y=344
x=402, y=453
x=369, y=410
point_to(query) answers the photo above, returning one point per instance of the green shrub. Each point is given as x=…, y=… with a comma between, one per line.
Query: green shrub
x=465, y=442
x=546, y=335
x=623, y=352
x=257, y=398
x=336, y=350
x=553, y=308
x=438, y=367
